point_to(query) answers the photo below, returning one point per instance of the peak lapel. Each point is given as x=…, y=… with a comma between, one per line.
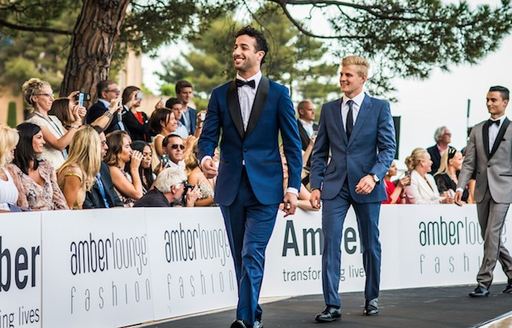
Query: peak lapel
x=259, y=104
x=234, y=108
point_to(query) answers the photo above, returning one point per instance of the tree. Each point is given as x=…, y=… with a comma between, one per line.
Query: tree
x=409, y=36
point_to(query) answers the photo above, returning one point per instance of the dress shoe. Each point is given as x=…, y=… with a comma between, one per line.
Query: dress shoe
x=238, y=324
x=257, y=324
x=508, y=288
x=330, y=314
x=479, y=291
x=371, y=307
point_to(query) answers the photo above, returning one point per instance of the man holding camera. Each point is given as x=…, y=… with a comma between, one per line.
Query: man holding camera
x=107, y=91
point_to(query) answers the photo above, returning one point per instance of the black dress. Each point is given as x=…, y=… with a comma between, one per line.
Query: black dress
x=445, y=183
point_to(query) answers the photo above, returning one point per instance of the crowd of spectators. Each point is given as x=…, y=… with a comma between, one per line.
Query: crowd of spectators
x=65, y=156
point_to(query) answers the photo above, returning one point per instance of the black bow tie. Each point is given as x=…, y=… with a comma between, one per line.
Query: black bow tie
x=491, y=122
x=241, y=83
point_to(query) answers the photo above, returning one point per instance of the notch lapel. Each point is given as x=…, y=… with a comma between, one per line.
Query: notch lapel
x=258, y=104
x=338, y=120
x=364, y=111
x=234, y=108
x=485, y=138
x=499, y=137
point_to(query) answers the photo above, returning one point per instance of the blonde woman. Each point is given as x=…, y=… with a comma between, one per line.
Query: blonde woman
x=8, y=191
x=197, y=178
x=38, y=96
x=77, y=175
x=423, y=188
x=120, y=155
x=447, y=175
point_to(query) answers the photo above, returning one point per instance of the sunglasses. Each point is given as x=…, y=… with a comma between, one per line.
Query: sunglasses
x=176, y=146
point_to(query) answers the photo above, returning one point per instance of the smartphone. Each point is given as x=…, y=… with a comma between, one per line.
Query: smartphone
x=202, y=116
x=82, y=97
x=139, y=95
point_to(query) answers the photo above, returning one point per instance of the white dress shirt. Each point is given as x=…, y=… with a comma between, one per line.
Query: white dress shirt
x=308, y=126
x=358, y=101
x=493, y=131
x=246, y=96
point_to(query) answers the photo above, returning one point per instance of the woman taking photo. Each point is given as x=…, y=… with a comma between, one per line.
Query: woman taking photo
x=120, y=156
x=146, y=173
x=135, y=121
x=78, y=173
x=37, y=182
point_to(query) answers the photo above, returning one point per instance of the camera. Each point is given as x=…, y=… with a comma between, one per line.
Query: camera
x=82, y=97
x=165, y=161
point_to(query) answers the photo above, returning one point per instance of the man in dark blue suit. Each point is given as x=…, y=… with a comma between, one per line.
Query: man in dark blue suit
x=250, y=112
x=184, y=93
x=357, y=130
x=107, y=92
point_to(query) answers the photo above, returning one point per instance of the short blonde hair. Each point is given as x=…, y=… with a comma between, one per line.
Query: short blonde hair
x=169, y=178
x=8, y=140
x=413, y=160
x=362, y=64
x=30, y=88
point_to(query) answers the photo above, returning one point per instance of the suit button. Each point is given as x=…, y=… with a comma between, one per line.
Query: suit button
x=488, y=165
x=245, y=150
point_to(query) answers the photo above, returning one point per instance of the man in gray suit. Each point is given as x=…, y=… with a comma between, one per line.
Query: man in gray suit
x=489, y=153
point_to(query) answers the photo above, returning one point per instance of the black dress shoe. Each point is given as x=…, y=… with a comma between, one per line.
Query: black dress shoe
x=330, y=314
x=371, y=307
x=479, y=291
x=508, y=288
x=257, y=324
x=238, y=324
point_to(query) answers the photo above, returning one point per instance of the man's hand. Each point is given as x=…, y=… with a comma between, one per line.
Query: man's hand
x=365, y=185
x=314, y=199
x=290, y=203
x=457, y=199
x=209, y=168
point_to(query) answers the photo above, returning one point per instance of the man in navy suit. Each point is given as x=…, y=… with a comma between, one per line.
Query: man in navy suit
x=357, y=130
x=107, y=91
x=184, y=93
x=250, y=112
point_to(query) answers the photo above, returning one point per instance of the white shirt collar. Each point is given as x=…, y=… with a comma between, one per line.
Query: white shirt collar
x=358, y=100
x=104, y=102
x=498, y=119
x=256, y=77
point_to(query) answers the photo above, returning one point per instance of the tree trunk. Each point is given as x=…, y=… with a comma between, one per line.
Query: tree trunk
x=96, y=30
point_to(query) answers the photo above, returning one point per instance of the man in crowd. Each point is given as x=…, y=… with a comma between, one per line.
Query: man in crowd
x=251, y=112
x=175, y=105
x=169, y=191
x=107, y=91
x=102, y=193
x=306, y=122
x=489, y=155
x=174, y=148
x=184, y=93
x=356, y=138
x=443, y=138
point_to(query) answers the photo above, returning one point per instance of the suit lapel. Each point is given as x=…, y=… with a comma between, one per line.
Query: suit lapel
x=499, y=137
x=485, y=138
x=338, y=119
x=364, y=111
x=259, y=104
x=234, y=108
x=303, y=134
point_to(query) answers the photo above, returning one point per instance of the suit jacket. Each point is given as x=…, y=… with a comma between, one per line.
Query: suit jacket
x=192, y=117
x=435, y=156
x=420, y=191
x=153, y=198
x=93, y=198
x=257, y=147
x=493, y=167
x=136, y=130
x=370, y=150
x=97, y=110
x=304, y=137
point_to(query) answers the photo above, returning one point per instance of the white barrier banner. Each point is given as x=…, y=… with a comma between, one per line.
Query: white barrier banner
x=20, y=270
x=96, y=268
x=421, y=246
x=191, y=264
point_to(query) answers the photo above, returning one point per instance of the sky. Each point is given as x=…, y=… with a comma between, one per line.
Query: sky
x=423, y=105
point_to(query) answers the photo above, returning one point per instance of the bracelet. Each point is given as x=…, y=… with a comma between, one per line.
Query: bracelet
x=108, y=114
x=74, y=126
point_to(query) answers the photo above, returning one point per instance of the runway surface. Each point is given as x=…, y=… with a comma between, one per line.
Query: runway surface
x=418, y=308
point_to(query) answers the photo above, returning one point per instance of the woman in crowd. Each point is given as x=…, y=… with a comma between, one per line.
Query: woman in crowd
x=65, y=110
x=120, y=156
x=135, y=121
x=35, y=178
x=196, y=177
x=423, y=188
x=162, y=122
x=8, y=191
x=146, y=173
x=394, y=189
x=38, y=95
x=447, y=175
x=78, y=173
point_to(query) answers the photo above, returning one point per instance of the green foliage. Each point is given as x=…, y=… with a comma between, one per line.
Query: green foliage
x=11, y=115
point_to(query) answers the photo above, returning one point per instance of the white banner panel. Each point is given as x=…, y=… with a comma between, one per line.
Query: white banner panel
x=20, y=270
x=191, y=264
x=96, y=268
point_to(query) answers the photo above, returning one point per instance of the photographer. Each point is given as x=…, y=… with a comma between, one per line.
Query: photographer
x=170, y=190
x=135, y=121
x=108, y=93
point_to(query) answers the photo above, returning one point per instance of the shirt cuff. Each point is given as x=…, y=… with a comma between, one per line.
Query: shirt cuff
x=293, y=191
x=204, y=159
x=459, y=189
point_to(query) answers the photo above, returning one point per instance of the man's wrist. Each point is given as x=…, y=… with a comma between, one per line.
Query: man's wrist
x=204, y=159
x=292, y=191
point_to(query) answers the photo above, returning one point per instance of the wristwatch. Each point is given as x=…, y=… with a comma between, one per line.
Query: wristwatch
x=375, y=178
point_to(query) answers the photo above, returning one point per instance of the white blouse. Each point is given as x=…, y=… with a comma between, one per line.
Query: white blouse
x=8, y=191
